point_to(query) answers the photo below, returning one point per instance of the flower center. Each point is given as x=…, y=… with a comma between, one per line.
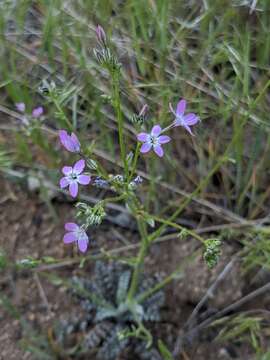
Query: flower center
x=154, y=140
x=180, y=119
x=73, y=176
x=80, y=234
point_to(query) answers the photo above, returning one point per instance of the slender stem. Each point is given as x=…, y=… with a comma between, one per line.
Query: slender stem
x=113, y=199
x=169, y=278
x=62, y=113
x=177, y=226
x=140, y=260
x=182, y=206
x=117, y=107
x=147, y=239
x=134, y=165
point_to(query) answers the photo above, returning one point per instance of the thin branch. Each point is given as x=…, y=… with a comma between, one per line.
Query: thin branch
x=190, y=335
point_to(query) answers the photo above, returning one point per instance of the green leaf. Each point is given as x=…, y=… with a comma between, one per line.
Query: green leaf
x=123, y=285
x=165, y=352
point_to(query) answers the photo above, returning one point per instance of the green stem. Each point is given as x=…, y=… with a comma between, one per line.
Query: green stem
x=140, y=260
x=119, y=116
x=113, y=199
x=62, y=113
x=169, y=278
x=177, y=226
x=134, y=165
x=201, y=186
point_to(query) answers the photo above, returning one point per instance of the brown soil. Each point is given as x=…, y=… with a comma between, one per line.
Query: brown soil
x=27, y=229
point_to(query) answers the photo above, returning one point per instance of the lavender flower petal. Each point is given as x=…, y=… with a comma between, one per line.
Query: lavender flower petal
x=83, y=243
x=63, y=183
x=71, y=226
x=156, y=130
x=73, y=189
x=142, y=137
x=84, y=179
x=37, y=112
x=69, y=238
x=76, y=143
x=191, y=119
x=67, y=170
x=158, y=150
x=20, y=107
x=79, y=166
x=145, y=148
x=70, y=142
x=164, y=139
x=181, y=107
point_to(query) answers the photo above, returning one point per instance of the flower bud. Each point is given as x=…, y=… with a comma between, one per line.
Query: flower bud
x=101, y=35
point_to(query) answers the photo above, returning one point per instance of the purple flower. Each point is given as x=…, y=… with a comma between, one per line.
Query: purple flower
x=187, y=120
x=101, y=35
x=70, y=142
x=153, y=140
x=76, y=234
x=20, y=107
x=101, y=183
x=37, y=112
x=73, y=177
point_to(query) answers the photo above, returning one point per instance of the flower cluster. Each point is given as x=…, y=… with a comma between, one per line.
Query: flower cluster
x=154, y=140
x=181, y=119
x=77, y=234
x=36, y=113
x=212, y=252
x=73, y=176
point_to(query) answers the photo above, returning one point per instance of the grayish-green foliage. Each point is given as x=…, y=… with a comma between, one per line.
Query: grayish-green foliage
x=107, y=317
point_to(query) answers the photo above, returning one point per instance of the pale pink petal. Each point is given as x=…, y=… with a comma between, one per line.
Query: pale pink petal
x=71, y=226
x=83, y=244
x=158, y=150
x=64, y=182
x=79, y=166
x=181, y=107
x=69, y=238
x=84, y=179
x=145, y=148
x=73, y=189
x=142, y=137
x=156, y=130
x=164, y=139
x=67, y=170
x=191, y=119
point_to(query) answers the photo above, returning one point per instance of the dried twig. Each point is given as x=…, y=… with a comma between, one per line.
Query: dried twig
x=42, y=293
x=192, y=334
